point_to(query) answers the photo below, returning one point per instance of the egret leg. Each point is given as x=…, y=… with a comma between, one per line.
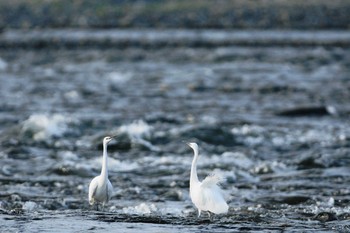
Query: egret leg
x=211, y=216
x=199, y=213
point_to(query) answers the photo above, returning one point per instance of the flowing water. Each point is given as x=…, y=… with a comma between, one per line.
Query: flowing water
x=269, y=111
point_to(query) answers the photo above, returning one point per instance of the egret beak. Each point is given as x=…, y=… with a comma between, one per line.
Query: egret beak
x=189, y=144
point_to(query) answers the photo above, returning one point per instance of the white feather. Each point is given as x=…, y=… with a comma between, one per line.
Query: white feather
x=213, y=179
x=100, y=188
x=206, y=195
x=100, y=191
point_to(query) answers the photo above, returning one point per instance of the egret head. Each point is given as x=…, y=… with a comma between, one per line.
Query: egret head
x=193, y=145
x=107, y=139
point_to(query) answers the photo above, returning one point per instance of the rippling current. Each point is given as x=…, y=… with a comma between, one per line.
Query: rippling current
x=273, y=119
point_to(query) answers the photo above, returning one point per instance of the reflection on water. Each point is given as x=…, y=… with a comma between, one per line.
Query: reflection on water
x=283, y=171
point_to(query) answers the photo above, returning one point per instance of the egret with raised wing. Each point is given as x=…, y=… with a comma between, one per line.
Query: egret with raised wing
x=206, y=195
x=101, y=189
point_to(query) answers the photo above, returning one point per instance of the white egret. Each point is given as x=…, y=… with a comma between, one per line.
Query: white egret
x=206, y=195
x=100, y=188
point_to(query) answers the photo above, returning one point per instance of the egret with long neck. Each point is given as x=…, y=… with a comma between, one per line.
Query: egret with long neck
x=101, y=189
x=206, y=195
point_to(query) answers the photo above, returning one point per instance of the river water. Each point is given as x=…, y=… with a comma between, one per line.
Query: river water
x=269, y=110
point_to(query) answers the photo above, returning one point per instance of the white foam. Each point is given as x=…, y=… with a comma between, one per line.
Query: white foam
x=234, y=160
x=47, y=72
x=269, y=167
x=119, y=77
x=330, y=201
x=280, y=141
x=326, y=207
x=72, y=95
x=114, y=164
x=248, y=130
x=139, y=132
x=168, y=160
x=71, y=161
x=3, y=64
x=324, y=136
x=239, y=159
x=316, y=136
x=254, y=141
x=68, y=156
x=29, y=206
x=211, y=120
x=253, y=134
x=142, y=209
x=137, y=129
x=44, y=127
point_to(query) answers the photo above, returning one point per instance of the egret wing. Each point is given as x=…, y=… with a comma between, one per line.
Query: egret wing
x=212, y=196
x=92, y=190
x=212, y=179
x=109, y=190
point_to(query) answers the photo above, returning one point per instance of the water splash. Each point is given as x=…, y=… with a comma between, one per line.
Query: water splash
x=29, y=206
x=137, y=129
x=139, y=133
x=43, y=127
x=142, y=209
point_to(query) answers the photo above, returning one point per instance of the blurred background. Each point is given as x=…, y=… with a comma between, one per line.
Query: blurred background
x=262, y=86
x=232, y=14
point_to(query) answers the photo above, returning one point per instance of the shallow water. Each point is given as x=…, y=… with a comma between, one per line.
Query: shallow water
x=273, y=119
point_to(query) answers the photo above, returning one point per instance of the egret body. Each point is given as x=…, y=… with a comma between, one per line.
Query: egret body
x=206, y=195
x=100, y=189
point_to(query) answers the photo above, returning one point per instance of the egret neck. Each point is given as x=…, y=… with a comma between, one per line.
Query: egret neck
x=194, y=178
x=104, y=170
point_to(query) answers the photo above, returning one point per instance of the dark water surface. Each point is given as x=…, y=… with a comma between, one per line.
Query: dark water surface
x=272, y=117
